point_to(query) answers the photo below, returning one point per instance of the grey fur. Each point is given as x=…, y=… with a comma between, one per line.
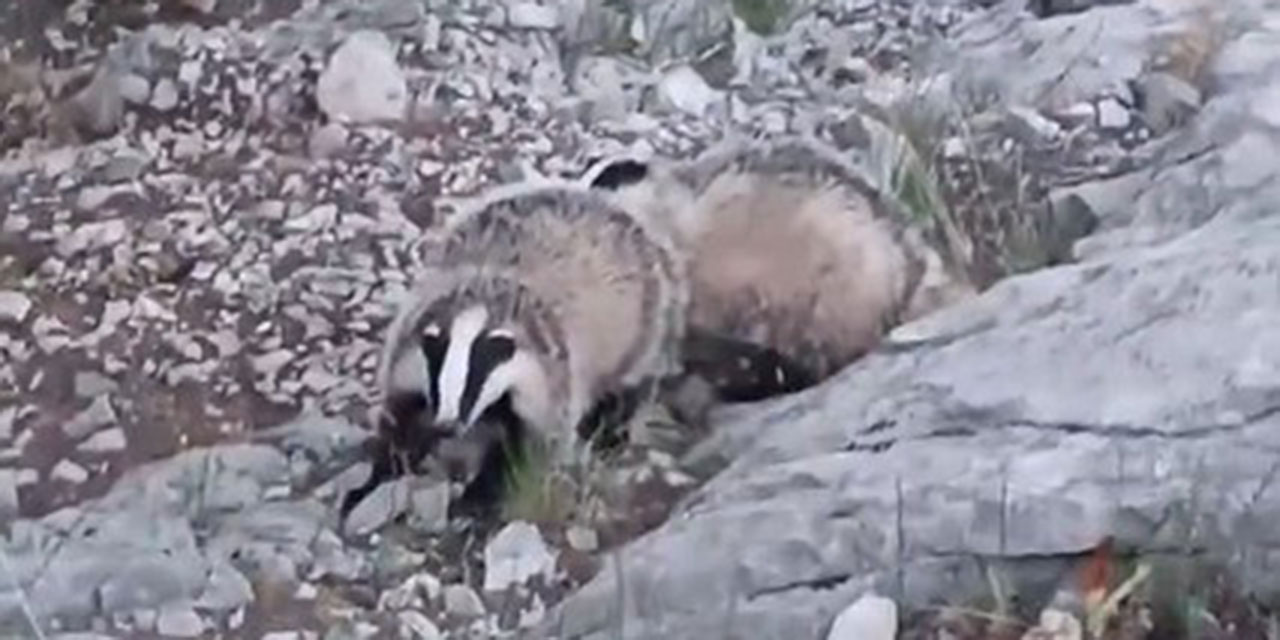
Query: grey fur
x=774, y=208
x=594, y=296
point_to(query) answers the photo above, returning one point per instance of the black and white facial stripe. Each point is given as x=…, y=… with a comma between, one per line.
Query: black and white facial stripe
x=469, y=367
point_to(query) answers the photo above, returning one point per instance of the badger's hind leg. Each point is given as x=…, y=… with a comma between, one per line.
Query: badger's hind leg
x=742, y=371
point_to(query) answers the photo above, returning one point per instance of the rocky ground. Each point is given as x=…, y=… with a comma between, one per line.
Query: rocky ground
x=209, y=210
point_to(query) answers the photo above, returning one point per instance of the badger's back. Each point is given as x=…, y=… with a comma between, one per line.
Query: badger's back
x=801, y=267
x=614, y=287
x=787, y=246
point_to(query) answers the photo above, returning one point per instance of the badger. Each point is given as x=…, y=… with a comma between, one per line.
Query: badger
x=796, y=266
x=533, y=308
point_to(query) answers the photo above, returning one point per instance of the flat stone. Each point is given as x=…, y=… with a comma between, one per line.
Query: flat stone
x=108, y=441
x=685, y=90
x=388, y=500
x=69, y=471
x=179, y=622
x=1112, y=114
x=91, y=384
x=429, y=507
x=8, y=418
x=462, y=601
x=871, y=617
x=14, y=306
x=531, y=15
x=8, y=493
x=363, y=82
x=135, y=89
x=419, y=626
x=97, y=415
x=165, y=95
x=514, y=555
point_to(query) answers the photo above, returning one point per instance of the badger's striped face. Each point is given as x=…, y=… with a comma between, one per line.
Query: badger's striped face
x=471, y=367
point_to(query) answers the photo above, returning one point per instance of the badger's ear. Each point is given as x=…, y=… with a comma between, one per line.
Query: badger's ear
x=619, y=173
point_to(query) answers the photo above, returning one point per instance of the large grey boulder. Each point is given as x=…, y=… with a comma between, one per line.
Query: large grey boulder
x=1135, y=394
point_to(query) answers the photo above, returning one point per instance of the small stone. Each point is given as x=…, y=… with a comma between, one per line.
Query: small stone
x=8, y=418
x=8, y=493
x=871, y=617
x=684, y=89
x=226, y=590
x=1112, y=114
x=98, y=414
x=582, y=538
x=107, y=441
x=462, y=601
x=429, y=507
x=1168, y=100
x=418, y=626
x=135, y=89
x=384, y=503
x=165, y=96
x=203, y=6
x=69, y=471
x=1056, y=625
x=1078, y=114
x=516, y=554
x=327, y=141
x=14, y=306
x=306, y=592
x=531, y=15
x=91, y=384
x=269, y=364
x=1031, y=126
x=189, y=72
x=363, y=82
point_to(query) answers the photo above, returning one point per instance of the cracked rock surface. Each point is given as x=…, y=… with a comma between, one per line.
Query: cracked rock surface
x=207, y=214
x=1132, y=394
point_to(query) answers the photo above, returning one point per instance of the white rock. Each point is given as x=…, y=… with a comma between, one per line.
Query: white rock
x=684, y=89
x=582, y=538
x=1112, y=114
x=363, y=82
x=385, y=502
x=516, y=554
x=419, y=626
x=105, y=441
x=871, y=617
x=189, y=72
x=282, y=635
x=1056, y=625
x=461, y=600
x=306, y=592
x=1078, y=113
x=429, y=507
x=327, y=141
x=1034, y=123
x=165, y=95
x=98, y=414
x=14, y=306
x=135, y=89
x=70, y=472
x=8, y=418
x=531, y=15
x=8, y=492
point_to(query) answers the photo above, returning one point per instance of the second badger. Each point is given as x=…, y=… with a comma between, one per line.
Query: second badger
x=786, y=249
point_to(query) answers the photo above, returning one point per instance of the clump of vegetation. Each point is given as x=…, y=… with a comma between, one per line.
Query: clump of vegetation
x=1112, y=596
x=764, y=17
